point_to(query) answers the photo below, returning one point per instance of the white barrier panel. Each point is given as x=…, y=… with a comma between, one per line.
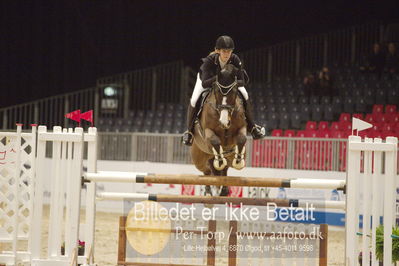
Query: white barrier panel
x=374, y=204
x=17, y=168
x=67, y=172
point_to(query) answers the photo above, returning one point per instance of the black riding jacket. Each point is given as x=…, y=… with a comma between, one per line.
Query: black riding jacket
x=210, y=67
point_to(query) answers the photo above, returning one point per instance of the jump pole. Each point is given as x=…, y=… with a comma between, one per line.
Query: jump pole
x=128, y=177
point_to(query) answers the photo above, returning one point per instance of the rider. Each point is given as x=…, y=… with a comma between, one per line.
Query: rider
x=211, y=65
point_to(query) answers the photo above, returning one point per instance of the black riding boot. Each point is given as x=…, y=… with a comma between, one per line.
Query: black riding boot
x=256, y=131
x=187, y=138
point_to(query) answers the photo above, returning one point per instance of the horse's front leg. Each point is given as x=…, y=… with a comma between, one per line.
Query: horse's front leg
x=219, y=161
x=239, y=156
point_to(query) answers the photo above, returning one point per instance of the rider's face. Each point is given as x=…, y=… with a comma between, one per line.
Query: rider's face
x=225, y=54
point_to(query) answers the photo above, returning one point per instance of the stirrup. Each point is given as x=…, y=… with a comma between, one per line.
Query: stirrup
x=187, y=138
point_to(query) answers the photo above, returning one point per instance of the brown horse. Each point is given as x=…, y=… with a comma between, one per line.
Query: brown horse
x=220, y=132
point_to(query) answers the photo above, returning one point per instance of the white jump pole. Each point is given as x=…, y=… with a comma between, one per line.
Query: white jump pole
x=131, y=177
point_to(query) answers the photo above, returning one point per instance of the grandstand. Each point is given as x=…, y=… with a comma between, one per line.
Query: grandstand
x=154, y=100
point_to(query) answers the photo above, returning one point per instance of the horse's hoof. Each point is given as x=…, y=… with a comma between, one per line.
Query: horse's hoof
x=238, y=165
x=218, y=166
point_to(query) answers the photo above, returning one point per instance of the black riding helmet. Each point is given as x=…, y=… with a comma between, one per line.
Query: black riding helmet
x=224, y=42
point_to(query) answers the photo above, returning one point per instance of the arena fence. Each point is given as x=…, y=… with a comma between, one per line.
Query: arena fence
x=272, y=152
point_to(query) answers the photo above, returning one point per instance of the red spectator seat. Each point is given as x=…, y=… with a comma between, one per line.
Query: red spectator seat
x=301, y=134
x=387, y=133
x=334, y=126
x=365, y=133
x=311, y=133
x=389, y=109
x=377, y=126
x=345, y=126
x=345, y=117
x=369, y=133
x=378, y=108
x=337, y=134
x=379, y=118
x=277, y=133
x=325, y=134
x=376, y=134
x=369, y=118
x=347, y=133
x=358, y=116
x=289, y=133
x=387, y=127
x=311, y=125
x=396, y=130
x=392, y=117
x=323, y=125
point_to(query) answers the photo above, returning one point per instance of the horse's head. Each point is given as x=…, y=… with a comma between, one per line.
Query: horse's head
x=225, y=89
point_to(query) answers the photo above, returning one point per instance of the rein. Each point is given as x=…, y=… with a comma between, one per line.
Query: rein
x=230, y=108
x=230, y=86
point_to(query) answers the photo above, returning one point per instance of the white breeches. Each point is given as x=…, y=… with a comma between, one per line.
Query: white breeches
x=244, y=93
x=198, y=90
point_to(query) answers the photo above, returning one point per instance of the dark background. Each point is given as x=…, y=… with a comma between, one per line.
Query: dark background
x=49, y=47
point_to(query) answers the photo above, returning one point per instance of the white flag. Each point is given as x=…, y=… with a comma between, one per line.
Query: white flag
x=360, y=124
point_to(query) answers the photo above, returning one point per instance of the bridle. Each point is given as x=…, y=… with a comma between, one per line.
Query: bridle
x=229, y=87
x=219, y=107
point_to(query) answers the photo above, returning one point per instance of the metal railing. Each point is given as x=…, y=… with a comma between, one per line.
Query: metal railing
x=271, y=152
x=48, y=111
x=140, y=89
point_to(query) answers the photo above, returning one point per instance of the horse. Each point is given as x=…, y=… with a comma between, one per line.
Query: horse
x=220, y=130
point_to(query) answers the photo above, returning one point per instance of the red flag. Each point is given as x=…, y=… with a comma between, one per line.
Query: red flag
x=74, y=115
x=88, y=116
